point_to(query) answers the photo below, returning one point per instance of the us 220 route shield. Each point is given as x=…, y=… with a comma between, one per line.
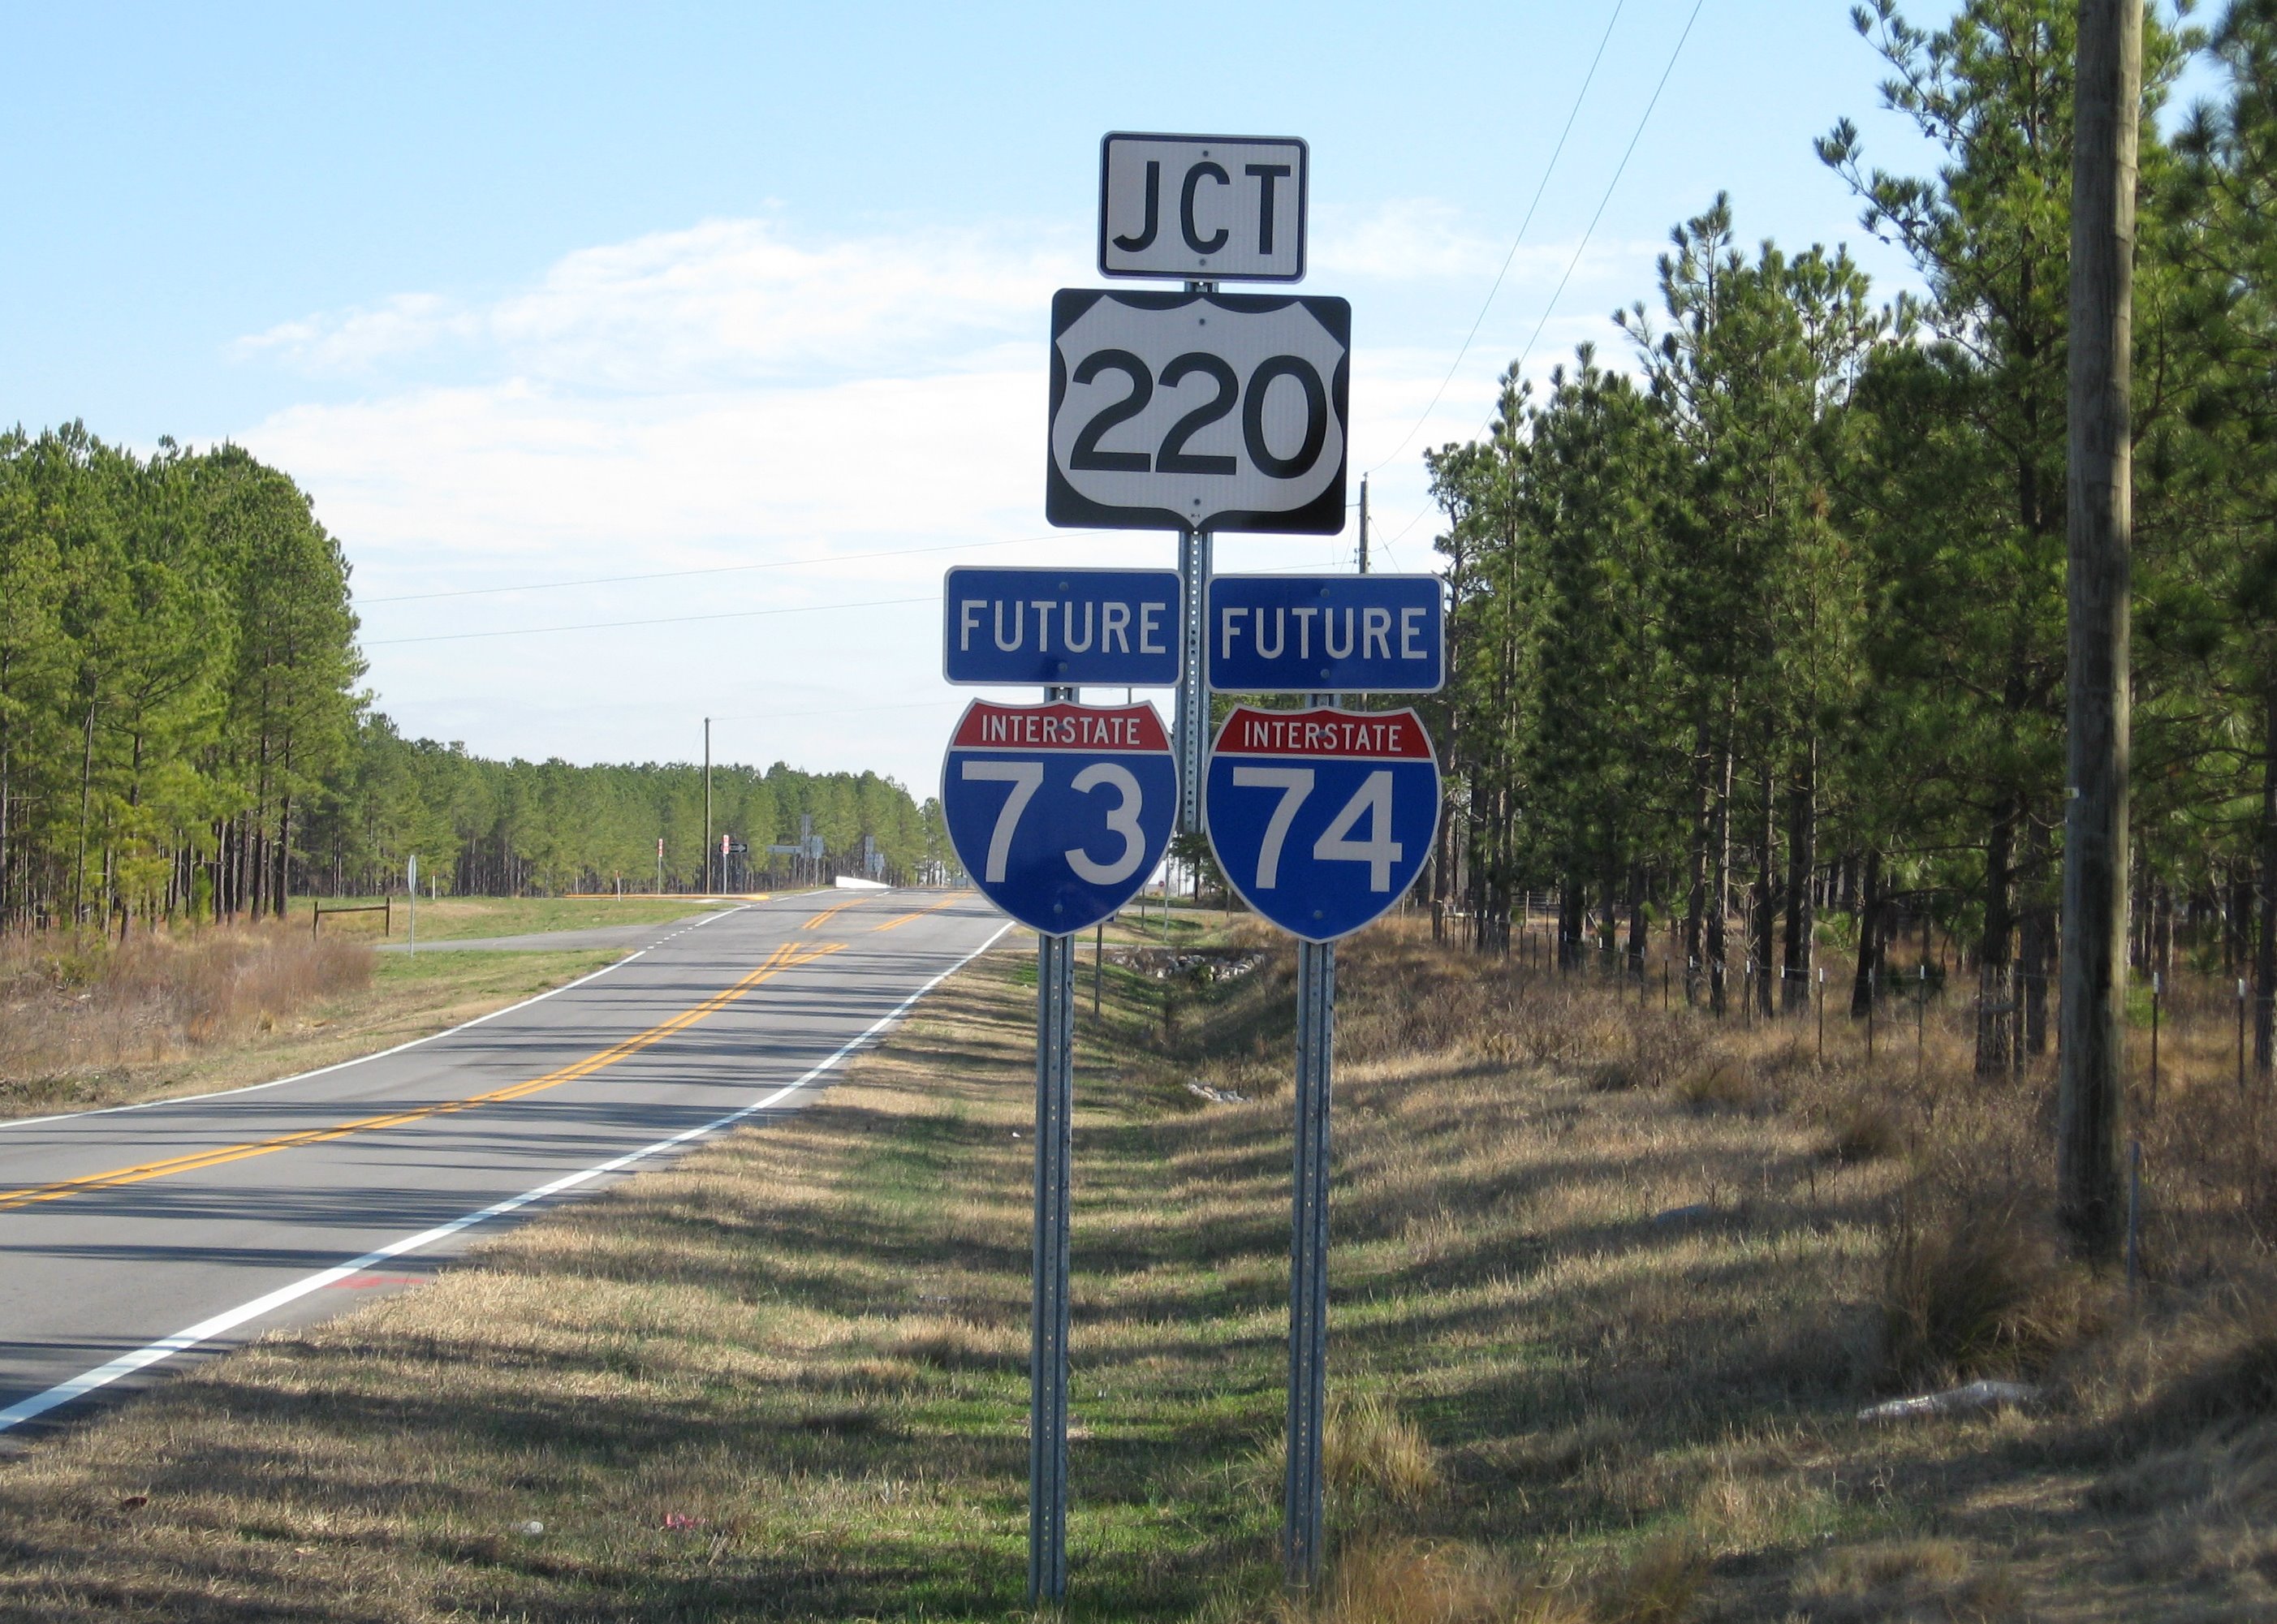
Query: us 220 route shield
x=1321, y=819
x=1059, y=812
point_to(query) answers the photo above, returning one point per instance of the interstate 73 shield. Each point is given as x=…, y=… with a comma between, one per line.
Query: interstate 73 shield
x=1059, y=812
x=1321, y=819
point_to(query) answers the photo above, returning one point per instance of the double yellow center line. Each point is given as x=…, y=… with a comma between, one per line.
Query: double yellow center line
x=788, y=956
x=895, y=924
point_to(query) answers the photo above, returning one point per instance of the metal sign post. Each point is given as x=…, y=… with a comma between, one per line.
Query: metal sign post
x=1192, y=717
x=1308, y=1264
x=1321, y=818
x=1047, y=1344
x=1191, y=411
x=1059, y=811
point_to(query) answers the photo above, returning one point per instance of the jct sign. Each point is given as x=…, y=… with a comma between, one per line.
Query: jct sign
x=1202, y=206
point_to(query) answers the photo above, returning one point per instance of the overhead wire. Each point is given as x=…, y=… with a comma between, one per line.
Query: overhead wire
x=1509, y=258
x=603, y=626
x=1581, y=247
x=716, y=569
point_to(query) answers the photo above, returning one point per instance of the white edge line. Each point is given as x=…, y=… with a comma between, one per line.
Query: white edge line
x=380, y=1054
x=229, y=1319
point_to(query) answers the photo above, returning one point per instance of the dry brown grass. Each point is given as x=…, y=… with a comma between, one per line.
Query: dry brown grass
x=102, y=1006
x=1407, y=1580
x=1934, y=1581
x=1977, y=1290
x=1370, y=1452
x=785, y=1378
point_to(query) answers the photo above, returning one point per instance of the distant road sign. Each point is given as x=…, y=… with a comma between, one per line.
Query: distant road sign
x=1053, y=628
x=1321, y=819
x=1219, y=410
x=1059, y=812
x=1202, y=206
x=1314, y=633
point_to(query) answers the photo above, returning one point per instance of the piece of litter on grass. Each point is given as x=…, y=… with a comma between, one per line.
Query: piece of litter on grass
x=681, y=1520
x=1955, y=1402
x=1216, y=1097
x=1694, y=1214
x=533, y=1527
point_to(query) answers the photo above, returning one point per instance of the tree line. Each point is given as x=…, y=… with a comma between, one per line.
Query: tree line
x=183, y=733
x=1771, y=622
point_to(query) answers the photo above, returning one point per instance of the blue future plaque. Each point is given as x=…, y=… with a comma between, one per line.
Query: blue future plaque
x=1321, y=819
x=1326, y=634
x=1059, y=812
x=1061, y=628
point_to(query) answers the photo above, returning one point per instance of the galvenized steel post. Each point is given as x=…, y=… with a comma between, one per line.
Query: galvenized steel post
x=1308, y=1265
x=1047, y=1353
x=1193, y=680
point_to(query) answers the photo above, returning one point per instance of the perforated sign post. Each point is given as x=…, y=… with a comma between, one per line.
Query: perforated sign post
x=1320, y=819
x=1188, y=411
x=1059, y=812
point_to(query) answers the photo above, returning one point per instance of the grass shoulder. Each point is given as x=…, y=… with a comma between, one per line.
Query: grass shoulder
x=1599, y=1339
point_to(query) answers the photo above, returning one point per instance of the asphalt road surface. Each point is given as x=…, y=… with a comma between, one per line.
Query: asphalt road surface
x=132, y=1235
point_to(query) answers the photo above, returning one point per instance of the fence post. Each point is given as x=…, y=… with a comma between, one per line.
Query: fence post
x=2240, y=1036
x=1921, y=1023
x=1822, y=1014
x=2134, y=1211
x=2155, y=990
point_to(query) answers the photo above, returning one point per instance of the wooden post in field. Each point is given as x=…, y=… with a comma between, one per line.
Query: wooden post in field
x=2099, y=510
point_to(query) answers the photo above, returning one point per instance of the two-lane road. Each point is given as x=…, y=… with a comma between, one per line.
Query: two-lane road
x=132, y=1234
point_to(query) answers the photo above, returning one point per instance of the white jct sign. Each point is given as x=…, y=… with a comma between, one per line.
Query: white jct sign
x=1220, y=411
x=1208, y=207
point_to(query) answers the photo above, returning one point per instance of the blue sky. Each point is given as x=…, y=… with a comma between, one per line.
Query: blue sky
x=528, y=294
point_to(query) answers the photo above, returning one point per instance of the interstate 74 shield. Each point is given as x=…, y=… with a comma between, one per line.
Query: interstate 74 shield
x=1059, y=812
x=1321, y=819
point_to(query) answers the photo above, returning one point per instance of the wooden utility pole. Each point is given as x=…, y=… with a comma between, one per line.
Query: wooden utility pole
x=707, y=804
x=2100, y=524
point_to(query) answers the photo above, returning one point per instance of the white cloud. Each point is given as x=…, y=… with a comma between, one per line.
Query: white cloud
x=734, y=394
x=723, y=301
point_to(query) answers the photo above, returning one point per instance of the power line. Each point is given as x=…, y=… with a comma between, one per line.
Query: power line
x=722, y=569
x=717, y=569
x=603, y=626
x=1582, y=246
x=1618, y=170
x=1509, y=258
x=843, y=711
